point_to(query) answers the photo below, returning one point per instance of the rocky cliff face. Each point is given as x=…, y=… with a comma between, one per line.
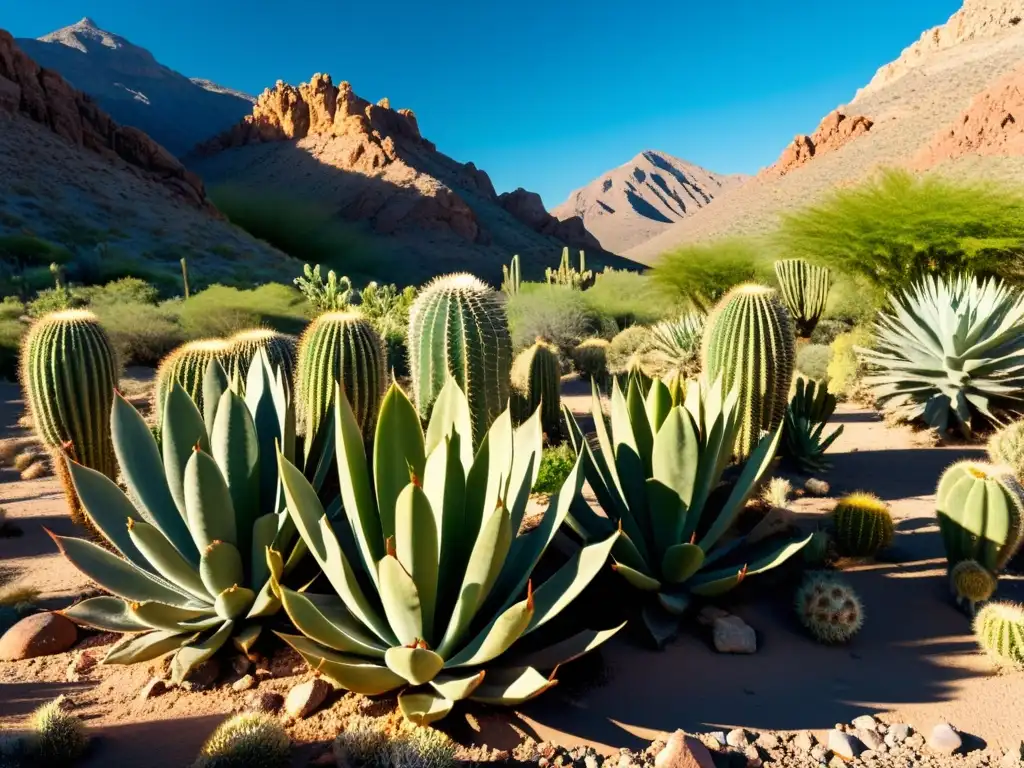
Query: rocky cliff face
x=43, y=96
x=834, y=132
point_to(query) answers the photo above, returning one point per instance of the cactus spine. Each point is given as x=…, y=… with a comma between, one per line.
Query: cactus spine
x=999, y=630
x=536, y=383
x=863, y=525
x=804, y=289
x=69, y=373
x=458, y=328
x=829, y=608
x=245, y=345
x=972, y=583
x=340, y=348
x=187, y=366
x=1006, y=448
x=513, y=277
x=246, y=740
x=749, y=343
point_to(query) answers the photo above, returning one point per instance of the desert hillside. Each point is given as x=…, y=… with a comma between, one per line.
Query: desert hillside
x=136, y=89
x=426, y=212
x=904, y=116
x=636, y=201
x=71, y=175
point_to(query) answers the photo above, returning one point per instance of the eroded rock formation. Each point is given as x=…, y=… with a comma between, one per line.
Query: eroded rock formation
x=529, y=209
x=835, y=131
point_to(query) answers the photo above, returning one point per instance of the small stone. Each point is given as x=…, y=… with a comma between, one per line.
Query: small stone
x=882, y=728
x=915, y=742
x=871, y=739
x=737, y=738
x=868, y=754
x=804, y=741
x=709, y=613
x=732, y=635
x=41, y=634
x=817, y=487
x=304, y=698
x=155, y=687
x=842, y=744
x=865, y=723
x=243, y=683
x=944, y=739
x=682, y=751
x=264, y=701
x=898, y=732
x=719, y=737
x=240, y=665
x=768, y=741
x=753, y=757
x=80, y=665
x=203, y=676
x=624, y=760
x=591, y=761
x=836, y=762
x=818, y=752
x=263, y=669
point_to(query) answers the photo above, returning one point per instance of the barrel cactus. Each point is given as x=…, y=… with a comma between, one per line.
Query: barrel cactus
x=458, y=328
x=339, y=348
x=999, y=630
x=829, y=608
x=536, y=383
x=804, y=290
x=435, y=585
x=245, y=345
x=749, y=343
x=949, y=352
x=1006, y=448
x=247, y=740
x=863, y=525
x=971, y=583
x=186, y=366
x=590, y=358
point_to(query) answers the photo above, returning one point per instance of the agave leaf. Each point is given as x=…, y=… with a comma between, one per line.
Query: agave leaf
x=658, y=405
x=675, y=459
x=182, y=430
x=190, y=656
x=333, y=628
x=450, y=414
x=643, y=435
x=487, y=480
x=167, y=617
x=457, y=684
x=567, y=650
x=167, y=560
x=352, y=673
x=402, y=604
x=132, y=649
x=675, y=604
x=215, y=384
x=660, y=624
x=398, y=450
x=681, y=561
x=221, y=567
x=265, y=604
x=667, y=515
x=417, y=665
x=270, y=431
x=721, y=580
x=211, y=514
x=264, y=535
x=108, y=509
x=637, y=579
x=626, y=553
x=417, y=548
x=603, y=459
x=511, y=687
x=497, y=637
x=528, y=440
x=236, y=452
x=234, y=602
x=109, y=614
x=423, y=707
x=444, y=484
x=246, y=638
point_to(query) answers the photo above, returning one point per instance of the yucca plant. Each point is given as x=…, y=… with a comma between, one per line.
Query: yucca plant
x=658, y=475
x=435, y=585
x=807, y=415
x=949, y=352
x=804, y=290
x=190, y=570
x=675, y=345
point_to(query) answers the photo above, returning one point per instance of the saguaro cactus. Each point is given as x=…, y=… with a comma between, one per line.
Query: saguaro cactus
x=245, y=345
x=749, y=343
x=805, y=290
x=187, y=366
x=512, y=277
x=536, y=380
x=458, y=327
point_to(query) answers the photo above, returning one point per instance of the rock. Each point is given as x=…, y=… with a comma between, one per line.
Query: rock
x=718, y=737
x=819, y=753
x=529, y=209
x=707, y=615
x=834, y=132
x=897, y=734
x=836, y=762
x=753, y=756
x=203, y=676
x=264, y=701
x=916, y=741
x=682, y=751
x=944, y=739
x=737, y=738
x=304, y=698
x=817, y=487
x=732, y=635
x=804, y=741
x=870, y=739
x=263, y=669
x=155, y=687
x=243, y=683
x=768, y=741
x=1014, y=757
x=865, y=722
x=843, y=744
x=82, y=664
x=240, y=664
x=40, y=634
x=591, y=761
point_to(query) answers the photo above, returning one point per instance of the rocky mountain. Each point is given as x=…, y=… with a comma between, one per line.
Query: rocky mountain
x=427, y=212
x=951, y=102
x=636, y=201
x=71, y=175
x=137, y=90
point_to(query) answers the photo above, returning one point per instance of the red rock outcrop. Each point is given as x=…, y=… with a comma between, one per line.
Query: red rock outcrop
x=835, y=131
x=529, y=209
x=43, y=96
x=993, y=124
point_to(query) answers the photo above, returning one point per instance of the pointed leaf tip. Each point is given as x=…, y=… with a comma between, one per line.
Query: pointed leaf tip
x=390, y=547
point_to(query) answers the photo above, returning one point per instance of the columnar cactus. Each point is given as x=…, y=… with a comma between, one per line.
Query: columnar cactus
x=568, y=275
x=512, y=277
x=829, y=609
x=590, y=358
x=458, y=328
x=804, y=291
x=536, y=380
x=339, y=348
x=749, y=344
x=863, y=525
x=999, y=630
x=187, y=365
x=245, y=345
x=972, y=583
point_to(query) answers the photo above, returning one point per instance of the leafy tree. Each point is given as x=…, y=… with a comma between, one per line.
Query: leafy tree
x=703, y=273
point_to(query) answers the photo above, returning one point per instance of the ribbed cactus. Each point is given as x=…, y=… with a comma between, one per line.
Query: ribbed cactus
x=979, y=507
x=536, y=382
x=590, y=358
x=512, y=277
x=187, y=365
x=458, y=327
x=568, y=275
x=749, y=343
x=1006, y=447
x=863, y=525
x=829, y=609
x=999, y=630
x=972, y=583
x=804, y=290
x=245, y=345
x=339, y=347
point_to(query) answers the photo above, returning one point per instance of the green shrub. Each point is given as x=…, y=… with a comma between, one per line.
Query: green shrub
x=555, y=465
x=852, y=300
x=28, y=250
x=896, y=228
x=223, y=311
x=11, y=331
x=554, y=312
x=122, y=290
x=845, y=369
x=627, y=346
x=631, y=299
x=812, y=361
x=828, y=330
x=141, y=333
x=704, y=273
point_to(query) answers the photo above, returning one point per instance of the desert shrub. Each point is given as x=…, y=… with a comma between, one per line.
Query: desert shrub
x=11, y=330
x=123, y=290
x=141, y=333
x=223, y=311
x=702, y=274
x=828, y=330
x=896, y=228
x=554, y=312
x=812, y=361
x=556, y=463
x=630, y=298
x=845, y=369
x=627, y=347
x=852, y=300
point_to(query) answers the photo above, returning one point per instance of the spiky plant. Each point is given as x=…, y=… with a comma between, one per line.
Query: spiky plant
x=949, y=352
x=512, y=277
x=807, y=415
x=674, y=345
x=458, y=328
x=820, y=550
x=187, y=366
x=999, y=630
x=57, y=737
x=804, y=290
x=244, y=346
x=362, y=742
x=863, y=525
x=658, y=474
x=590, y=358
x=332, y=295
x=246, y=740
x=435, y=587
x=972, y=584
x=1006, y=448
x=189, y=571
x=829, y=608
x=568, y=275
x=749, y=343
x=536, y=383
x=626, y=350
x=777, y=492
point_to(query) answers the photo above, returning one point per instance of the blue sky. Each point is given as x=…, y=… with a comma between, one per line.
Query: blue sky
x=543, y=95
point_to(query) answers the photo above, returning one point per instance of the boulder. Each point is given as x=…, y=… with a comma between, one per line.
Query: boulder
x=40, y=634
x=682, y=751
x=304, y=698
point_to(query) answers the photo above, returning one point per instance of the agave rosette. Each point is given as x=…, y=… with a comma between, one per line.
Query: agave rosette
x=807, y=415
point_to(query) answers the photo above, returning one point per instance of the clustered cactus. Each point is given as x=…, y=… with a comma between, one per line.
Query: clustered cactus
x=863, y=525
x=536, y=383
x=568, y=275
x=999, y=630
x=804, y=290
x=1006, y=448
x=332, y=295
x=512, y=277
x=187, y=366
x=246, y=740
x=829, y=608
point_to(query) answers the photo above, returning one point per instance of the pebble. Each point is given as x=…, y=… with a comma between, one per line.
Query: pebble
x=871, y=739
x=768, y=741
x=682, y=751
x=155, y=687
x=737, y=738
x=709, y=613
x=842, y=744
x=719, y=736
x=590, y=761
x=865, y=722
x=243, y=683
x=733, y=635
x=916, y=741
x=897, y=734
x=818, y=752
x=804, y=741
x=40, y=634
x=944, y=739
x=304, y=698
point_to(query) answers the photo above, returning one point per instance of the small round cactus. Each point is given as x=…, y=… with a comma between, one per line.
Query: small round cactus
x=187, y=365
x=972, y=583
x=245, y=345
x=999, y=630
x=1006, y=448
x=863, y=525
x=819, y=551
x=590, y=359
x=248, y=740
x=58, y=737
x=829, y=609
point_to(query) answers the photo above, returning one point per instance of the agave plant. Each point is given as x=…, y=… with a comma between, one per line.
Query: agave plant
x=675, y=344
x=807, y=415
x=949, y=352
x=188, y=570
x=433, y=578
x=657, y=474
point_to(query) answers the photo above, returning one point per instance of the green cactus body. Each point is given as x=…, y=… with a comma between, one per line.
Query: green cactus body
x=340, y=348
x=458, y=328
x=805, y=290
x=749, y=344
x=187, y=365
x=536, y=383
x=863, y=525
x=512, y=277
x=246, y=740
x=590, y=358
x=819, y=550
x=829, y=609
x=979, y=507
x=245, y=345
x=568, y=275
x=999, y=630
x=1006, y=447
x=972, y=583
x=69, y=373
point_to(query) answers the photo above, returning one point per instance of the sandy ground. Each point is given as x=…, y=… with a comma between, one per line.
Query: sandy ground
x=915, y=660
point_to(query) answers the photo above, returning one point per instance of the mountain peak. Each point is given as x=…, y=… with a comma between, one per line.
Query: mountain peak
x=86, y=23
